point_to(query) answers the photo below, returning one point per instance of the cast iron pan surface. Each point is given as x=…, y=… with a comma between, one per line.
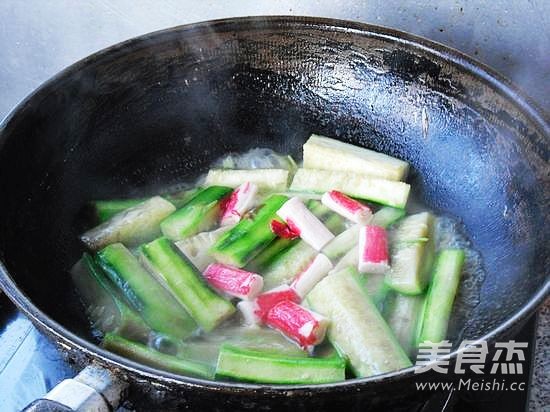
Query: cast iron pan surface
x=157, y=109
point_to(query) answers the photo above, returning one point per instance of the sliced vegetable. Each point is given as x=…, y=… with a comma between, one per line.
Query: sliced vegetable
x=257, y=158
x=349, y=259
x=198, y=214
x=205, y=349
x=387, y=216
x=356, y=328
x=376, y=288
x=144, y=293
x=373, y=250
x=330, y=154
x=266, y=179
x=271, y=253
x=240, y=201
x=106, y=209
x=403, y=315
x=233, y=281
x=317, y=270
x=329, y=265
x=151, y=357
x=305, y=196
x=346, y=206
x=411, y=245
x=318, y=208
x=248, y=238
x=133, y=226
x=373, y=284
x=105, y=306
x=195, y=248
x=180, y=197
x=333, y=221
x=386, y=192
x=262, y=366
x=302, y=221
x=342, y=243
x=186, y=284
x=284, y=268
x=441, y=295
x=297, y=323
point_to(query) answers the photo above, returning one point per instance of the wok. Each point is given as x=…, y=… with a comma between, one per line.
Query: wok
x=159, y=108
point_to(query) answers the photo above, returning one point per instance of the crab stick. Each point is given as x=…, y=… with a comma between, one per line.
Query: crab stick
x=255, y=311
x=347, y=207
x=373, y=250
x=237, y=203
x=301, y=221
x=305, y=327
x=307, y=279
x=233, y=281
x=283, y=230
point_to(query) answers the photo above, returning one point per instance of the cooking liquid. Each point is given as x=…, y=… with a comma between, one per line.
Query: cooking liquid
x=449, y=233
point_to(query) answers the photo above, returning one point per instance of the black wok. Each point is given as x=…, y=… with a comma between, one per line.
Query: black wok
x=159, y=108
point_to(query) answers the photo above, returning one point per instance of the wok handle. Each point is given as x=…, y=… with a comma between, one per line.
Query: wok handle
x=93, y=389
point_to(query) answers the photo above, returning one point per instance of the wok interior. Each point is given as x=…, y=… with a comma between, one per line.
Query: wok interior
x=157, y=111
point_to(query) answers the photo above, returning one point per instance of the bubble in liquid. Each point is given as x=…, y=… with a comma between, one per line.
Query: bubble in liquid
x=450, y=234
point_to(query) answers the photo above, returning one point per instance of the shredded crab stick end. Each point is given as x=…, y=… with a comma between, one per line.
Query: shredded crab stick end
x=283, y=230
x=237, y=203
x=347, y=207
x=303, y=326
x=373, y=250
x=314, y=273
x=233, y=281
x=300, y=220
x=255, y=311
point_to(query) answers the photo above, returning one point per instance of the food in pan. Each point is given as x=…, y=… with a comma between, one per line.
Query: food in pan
x=272, y=273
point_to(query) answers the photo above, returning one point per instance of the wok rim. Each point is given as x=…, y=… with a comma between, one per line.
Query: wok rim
x=70, y=341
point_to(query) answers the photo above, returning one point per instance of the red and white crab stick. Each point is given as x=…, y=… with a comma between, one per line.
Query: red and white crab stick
x=255, y=311
x=347, y=207
x=373, y=250
x=233, y=281
x=305, y=327
x=238, y=202
x=317, y=270
x=301, y=221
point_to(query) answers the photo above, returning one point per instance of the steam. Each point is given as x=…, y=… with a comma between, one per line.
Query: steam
x=41, y=38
